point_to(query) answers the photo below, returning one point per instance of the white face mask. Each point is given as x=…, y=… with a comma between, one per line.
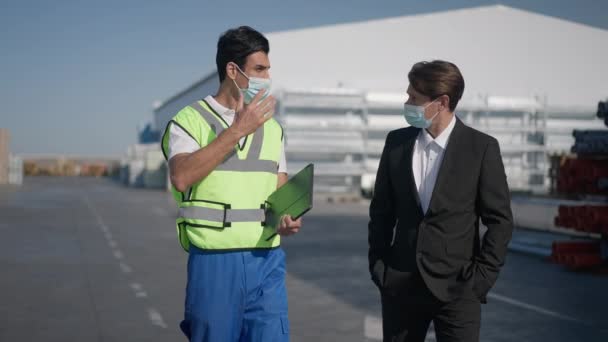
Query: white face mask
x=255, y=85
x=414, y=115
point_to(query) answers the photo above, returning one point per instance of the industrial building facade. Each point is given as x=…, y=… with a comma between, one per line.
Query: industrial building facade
x=530, y=80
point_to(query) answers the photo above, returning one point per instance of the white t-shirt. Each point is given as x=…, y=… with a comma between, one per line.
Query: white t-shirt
x=427, y=159
x=181, y=142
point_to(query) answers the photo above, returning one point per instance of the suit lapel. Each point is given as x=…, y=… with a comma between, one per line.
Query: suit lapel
x=407, y=170
x=448, y=160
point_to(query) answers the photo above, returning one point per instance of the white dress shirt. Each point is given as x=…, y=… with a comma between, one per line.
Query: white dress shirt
x=181, y=142
x=426, y=161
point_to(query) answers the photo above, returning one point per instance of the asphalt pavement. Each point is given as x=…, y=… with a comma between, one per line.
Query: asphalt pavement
x=87, y=259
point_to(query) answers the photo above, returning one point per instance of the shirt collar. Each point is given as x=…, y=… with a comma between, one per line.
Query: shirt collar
x=442, y=139
x=217, y=107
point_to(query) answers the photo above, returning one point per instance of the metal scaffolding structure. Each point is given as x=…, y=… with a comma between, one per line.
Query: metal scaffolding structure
x=343, y=132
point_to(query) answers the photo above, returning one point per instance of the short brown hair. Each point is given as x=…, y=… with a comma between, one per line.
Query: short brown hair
x=437, y=78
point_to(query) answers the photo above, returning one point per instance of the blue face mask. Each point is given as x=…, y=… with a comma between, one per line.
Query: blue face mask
x=255, y=85
x=414, y=115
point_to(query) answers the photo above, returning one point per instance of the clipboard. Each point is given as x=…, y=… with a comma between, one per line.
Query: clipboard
x=294, y=198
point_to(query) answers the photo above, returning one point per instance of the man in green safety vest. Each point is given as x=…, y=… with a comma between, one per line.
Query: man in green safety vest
x=226, y=156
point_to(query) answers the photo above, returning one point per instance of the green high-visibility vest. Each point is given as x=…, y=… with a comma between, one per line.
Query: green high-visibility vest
x=226, y=210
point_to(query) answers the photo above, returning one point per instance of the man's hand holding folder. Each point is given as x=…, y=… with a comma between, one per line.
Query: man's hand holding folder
x=288, y=226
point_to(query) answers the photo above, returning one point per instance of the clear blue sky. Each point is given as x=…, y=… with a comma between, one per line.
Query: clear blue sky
x=77, y=77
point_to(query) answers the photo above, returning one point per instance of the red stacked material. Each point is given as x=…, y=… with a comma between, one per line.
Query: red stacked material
x=584, y=218
x=577, y=254
x=585, y=175
x=581, y=176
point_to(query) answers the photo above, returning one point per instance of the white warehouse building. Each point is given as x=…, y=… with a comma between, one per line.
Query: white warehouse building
x=530, y=80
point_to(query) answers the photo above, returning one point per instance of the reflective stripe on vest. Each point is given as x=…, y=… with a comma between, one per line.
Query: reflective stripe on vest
x=226, y=216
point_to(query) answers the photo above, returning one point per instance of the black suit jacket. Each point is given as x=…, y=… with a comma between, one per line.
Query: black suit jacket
x=443, y=245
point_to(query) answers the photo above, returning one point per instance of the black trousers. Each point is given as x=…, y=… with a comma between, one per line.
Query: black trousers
x=408, y=313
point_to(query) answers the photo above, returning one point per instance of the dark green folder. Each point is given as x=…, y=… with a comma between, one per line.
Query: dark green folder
x=294, y=198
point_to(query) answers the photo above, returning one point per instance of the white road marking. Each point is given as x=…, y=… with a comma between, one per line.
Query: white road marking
x=117, y=254
x=156, y=318
x=103, y=227
x=153, y=314
x=372, y=327
x=136, y=286
x=139, y=290
x=125, y=268
x=534, y=308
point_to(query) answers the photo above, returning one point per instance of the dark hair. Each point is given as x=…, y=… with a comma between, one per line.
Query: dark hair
x=235, y=45
x=437, y=78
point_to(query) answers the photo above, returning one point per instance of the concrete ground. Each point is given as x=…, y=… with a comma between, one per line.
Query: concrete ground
x=90, y=260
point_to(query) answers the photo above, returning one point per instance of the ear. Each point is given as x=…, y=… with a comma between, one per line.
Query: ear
x=231, y=70
x=445, y=101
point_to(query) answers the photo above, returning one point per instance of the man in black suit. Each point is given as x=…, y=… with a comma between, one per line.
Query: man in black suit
x=436, y=179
